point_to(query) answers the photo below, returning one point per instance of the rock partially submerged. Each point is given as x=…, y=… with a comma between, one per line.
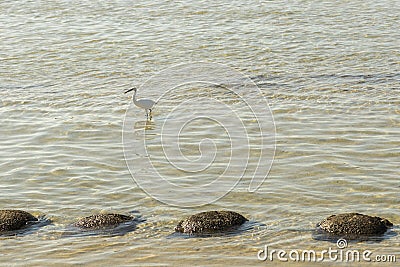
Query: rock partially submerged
x=11, y=220
x=354, y=225
x=102, y=221
x=210, y=222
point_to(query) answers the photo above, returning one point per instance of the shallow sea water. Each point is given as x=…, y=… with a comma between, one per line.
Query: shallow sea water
x=329, y=70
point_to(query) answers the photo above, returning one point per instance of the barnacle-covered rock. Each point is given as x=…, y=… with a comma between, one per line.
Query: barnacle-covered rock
x=210, y=222
x=102, y=221
x=11, y=220
x=354, y=225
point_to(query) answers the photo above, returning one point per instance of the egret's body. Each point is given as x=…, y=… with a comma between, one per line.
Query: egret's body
x=146, y=104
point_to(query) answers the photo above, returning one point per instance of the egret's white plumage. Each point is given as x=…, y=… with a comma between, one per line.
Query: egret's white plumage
x=146, y=104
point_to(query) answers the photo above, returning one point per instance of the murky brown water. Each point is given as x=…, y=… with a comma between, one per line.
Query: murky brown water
x=329, y=70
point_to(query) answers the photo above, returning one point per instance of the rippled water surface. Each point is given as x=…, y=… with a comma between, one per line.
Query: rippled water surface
x=329, y=70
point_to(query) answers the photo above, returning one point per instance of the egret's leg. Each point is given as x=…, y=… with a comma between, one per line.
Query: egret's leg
x=150, y=114
x=147, y=114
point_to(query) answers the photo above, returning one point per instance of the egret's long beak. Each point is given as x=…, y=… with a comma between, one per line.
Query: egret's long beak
x=127, y=91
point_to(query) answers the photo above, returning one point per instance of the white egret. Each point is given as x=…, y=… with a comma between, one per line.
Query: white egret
x=147, y=104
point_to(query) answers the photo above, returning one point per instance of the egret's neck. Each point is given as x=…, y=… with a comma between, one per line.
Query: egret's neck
x=134, y=97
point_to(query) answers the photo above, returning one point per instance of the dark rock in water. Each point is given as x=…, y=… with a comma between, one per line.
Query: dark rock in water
x=354, y=225
x=11, y=220
x=102, y=221
x=210, y=222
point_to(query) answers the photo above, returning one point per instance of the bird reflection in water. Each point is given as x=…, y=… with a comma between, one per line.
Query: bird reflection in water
x=146, y=125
